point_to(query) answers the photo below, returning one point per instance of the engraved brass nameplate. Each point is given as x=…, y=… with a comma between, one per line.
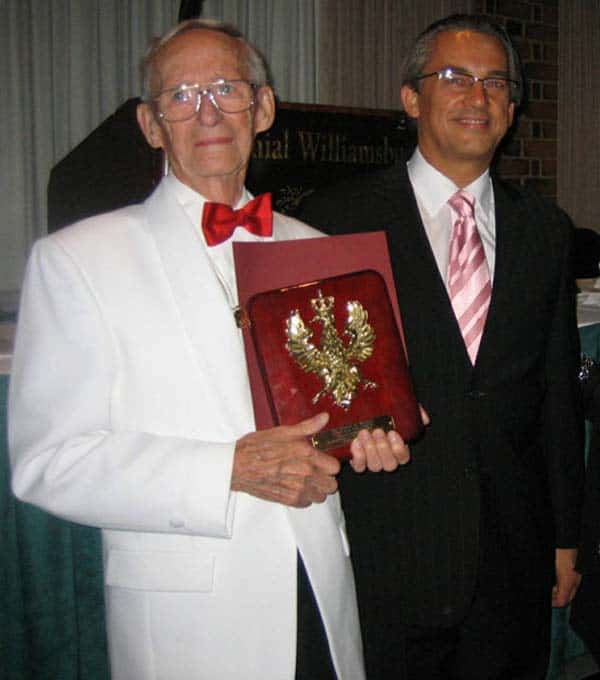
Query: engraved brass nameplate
x=343, y=435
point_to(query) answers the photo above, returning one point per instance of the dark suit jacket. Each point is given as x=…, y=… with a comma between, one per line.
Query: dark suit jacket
x=501, y=461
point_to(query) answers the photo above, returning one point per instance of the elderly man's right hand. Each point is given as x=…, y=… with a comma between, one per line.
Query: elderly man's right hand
x=280, y=465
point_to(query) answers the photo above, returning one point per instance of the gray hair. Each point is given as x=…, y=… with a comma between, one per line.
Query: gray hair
x=421, y=51
x=258, y=71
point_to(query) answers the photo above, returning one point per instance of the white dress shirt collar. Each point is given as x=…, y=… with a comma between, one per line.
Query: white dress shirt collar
x=193, y=202
x=433, y=189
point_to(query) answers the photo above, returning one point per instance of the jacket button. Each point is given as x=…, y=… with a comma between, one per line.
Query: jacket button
x=470, y=472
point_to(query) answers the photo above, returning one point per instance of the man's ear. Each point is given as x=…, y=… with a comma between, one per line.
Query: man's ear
x=149, y=126
x=264, y=109
x=511, y=113
x=410, y=101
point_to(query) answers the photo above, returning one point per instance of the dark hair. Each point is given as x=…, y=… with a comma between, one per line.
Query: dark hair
x=258, y=72
x=420, y=53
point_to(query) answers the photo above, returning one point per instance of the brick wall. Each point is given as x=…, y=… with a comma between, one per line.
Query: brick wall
x=529, y=153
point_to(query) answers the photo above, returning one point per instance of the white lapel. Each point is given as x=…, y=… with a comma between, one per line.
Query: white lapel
x=203, y=310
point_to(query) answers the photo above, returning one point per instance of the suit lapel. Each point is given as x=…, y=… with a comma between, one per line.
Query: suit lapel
x=508, y=268
x=406, y=233
x=202, y=306
x=419, y=283
x=185, y=261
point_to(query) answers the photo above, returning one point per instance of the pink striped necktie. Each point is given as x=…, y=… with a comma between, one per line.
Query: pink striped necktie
x=468, y=275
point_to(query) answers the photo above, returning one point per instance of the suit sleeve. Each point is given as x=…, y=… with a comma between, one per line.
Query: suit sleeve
x=65, y=456
x=562, y=408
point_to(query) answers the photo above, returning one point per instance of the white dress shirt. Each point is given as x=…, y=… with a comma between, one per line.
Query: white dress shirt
x=432, y=190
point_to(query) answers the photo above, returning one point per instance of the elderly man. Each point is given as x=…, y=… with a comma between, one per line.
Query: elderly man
x=130, y=406
x=461, y=552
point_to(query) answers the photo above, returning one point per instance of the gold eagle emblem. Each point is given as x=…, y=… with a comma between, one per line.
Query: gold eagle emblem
x=335, y=362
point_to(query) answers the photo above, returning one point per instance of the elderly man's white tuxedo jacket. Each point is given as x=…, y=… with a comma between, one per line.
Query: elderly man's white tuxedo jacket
x=128, y=391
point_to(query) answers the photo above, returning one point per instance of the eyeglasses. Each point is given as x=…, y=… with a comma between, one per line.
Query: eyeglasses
x=182, y=102
x=462, y=82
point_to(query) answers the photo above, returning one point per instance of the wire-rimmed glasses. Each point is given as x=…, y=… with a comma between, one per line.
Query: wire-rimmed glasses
x=183, y=102
x=462, y=81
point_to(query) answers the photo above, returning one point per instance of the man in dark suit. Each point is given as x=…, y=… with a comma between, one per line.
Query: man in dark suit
x=459, y=555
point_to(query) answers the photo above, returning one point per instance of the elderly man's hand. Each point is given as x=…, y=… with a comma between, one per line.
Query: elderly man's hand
x=377, y=450
x=280, y=465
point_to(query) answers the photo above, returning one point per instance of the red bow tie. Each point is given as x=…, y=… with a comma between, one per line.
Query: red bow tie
x=219, y=220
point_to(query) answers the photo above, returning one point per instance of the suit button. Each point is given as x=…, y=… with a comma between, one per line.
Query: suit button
x=470, y=472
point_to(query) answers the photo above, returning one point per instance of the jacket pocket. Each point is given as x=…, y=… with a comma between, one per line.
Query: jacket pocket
x=160, y=571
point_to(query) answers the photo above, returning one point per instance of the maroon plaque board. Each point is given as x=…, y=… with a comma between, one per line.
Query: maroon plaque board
x=275, y=279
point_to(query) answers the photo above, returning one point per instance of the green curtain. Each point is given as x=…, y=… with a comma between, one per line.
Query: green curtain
x=51, y=591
